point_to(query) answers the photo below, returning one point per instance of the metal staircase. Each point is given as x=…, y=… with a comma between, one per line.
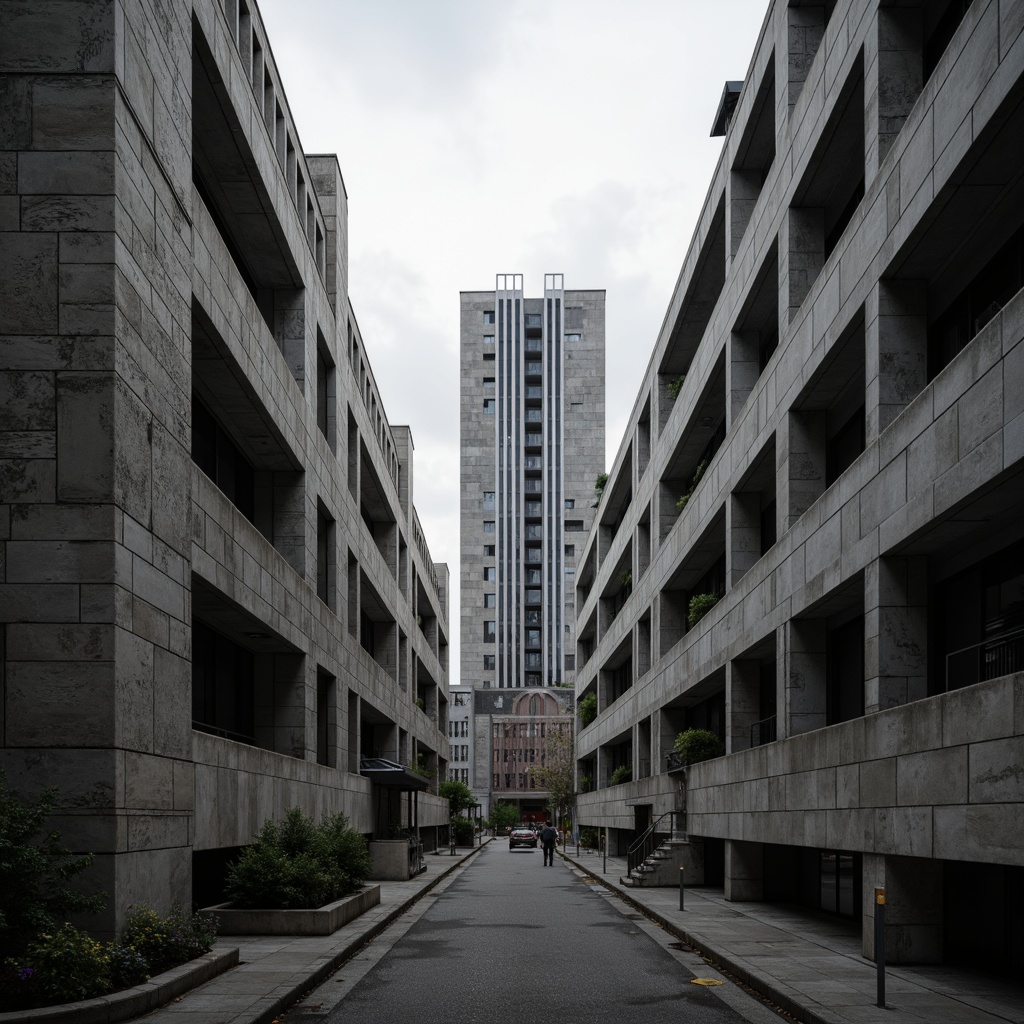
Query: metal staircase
x=656, y=850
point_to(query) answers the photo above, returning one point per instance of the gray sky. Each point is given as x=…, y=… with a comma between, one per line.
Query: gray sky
x=476, y=138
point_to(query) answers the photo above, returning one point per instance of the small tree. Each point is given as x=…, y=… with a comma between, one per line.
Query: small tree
x=458, y=795
x=504, y=815
x=557, y=772
x=35, y=868
x=587, y=708
x=695, y=745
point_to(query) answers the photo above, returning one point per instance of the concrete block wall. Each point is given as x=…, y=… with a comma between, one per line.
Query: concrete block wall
x=119, y=296
x=938, y=485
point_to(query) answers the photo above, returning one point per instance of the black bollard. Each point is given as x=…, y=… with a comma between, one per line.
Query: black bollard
x=880, y=946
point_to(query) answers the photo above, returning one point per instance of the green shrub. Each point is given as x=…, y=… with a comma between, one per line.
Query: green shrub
x=296, y=865
x=599, y=484
x=590, y=837
x=624, y=773
x=465, y=833
x=695, y=745
x=676, y=385
x=62, y=966
x=458, y=795
x=165, y=942
x=128, y=966
x=35, y=867
x=587, y=708
x=699, y=606
x=586, y=783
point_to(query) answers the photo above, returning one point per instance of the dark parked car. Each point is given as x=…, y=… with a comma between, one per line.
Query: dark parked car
x=522, y=837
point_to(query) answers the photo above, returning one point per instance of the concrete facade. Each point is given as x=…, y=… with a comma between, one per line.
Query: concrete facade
x=827, y=453
x=215, y=593
x=532, y=447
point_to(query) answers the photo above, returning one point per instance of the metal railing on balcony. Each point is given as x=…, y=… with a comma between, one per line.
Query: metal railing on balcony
x=991, y=658
x=763, y=732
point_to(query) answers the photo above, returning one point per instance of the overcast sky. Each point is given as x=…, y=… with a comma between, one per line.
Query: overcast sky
x=477, y=138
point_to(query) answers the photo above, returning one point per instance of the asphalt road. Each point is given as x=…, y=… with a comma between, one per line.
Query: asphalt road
x=513, y=941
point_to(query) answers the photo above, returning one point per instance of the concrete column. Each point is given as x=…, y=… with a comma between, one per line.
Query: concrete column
x=913, y=908
x=742, y=369
x=893, y=77
x=806, y=27
x=354, y=739
x=801, y=460
x=895, y=632
x=743, y=535
x=744, y=871
x=801, y=255
x=802, y=673
x=895, y=351
x=742, y=703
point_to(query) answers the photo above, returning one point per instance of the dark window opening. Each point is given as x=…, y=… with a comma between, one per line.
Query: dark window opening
x=222, y=685
x=941, y=24
x=844, y=696
x=844, y=446
x=367, y=638
x=218, y=457
x=997, y=282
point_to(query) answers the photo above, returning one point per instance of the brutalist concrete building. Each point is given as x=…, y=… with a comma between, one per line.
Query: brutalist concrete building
x=812, y=539
x=532, y=447
x=216, y=595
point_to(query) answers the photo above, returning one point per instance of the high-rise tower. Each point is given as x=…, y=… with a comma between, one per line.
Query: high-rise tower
x=532, y=430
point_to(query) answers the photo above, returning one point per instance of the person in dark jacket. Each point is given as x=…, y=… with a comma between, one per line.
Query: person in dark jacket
x=548, y=838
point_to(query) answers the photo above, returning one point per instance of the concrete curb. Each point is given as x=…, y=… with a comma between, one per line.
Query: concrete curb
x=131, y=1002
x=738, y=970
x=285, y=995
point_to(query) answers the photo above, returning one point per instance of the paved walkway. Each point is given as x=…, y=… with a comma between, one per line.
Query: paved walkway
x=274, y=971
x=810, y=965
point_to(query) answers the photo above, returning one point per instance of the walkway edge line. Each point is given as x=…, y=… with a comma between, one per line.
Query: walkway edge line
x=738, y=970
x=284, y=996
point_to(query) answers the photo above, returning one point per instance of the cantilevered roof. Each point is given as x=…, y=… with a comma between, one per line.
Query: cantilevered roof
x=391, y=774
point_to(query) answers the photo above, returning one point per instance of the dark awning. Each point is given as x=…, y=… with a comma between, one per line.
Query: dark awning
x=392, y=775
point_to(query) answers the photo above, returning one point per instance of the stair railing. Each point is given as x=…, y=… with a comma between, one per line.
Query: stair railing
x=650, y=840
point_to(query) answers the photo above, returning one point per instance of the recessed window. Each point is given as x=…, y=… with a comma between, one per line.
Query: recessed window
x=488, y=501
x=570, y=550
x=488, y=316
x=488, y=383
x=573, y=337
x=488, y=526
x=570, y=502
x=489, y=662
x=489, y=406
x=574, y=526
x=488, y=551
x=490, y=574
x=489, y=631
x=490, y=600
x=488, y=339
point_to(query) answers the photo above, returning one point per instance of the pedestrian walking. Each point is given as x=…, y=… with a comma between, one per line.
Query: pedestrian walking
x=548, y=838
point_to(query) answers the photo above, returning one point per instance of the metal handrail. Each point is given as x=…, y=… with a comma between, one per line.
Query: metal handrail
x=764, y=731
x=1003, y=652
x=651, y=839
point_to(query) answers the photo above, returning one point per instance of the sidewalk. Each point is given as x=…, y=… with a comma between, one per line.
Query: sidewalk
x=274, y=971
x=808, y=964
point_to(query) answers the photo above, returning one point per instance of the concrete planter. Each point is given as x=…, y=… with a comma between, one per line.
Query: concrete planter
x=131, y=1002
x=322, y=921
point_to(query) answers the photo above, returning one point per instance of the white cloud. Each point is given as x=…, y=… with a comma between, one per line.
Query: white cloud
x=532, y=136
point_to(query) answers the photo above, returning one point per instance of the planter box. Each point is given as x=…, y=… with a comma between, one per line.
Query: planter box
x=131, y=1002
x=322, y=921
x=392, y=860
